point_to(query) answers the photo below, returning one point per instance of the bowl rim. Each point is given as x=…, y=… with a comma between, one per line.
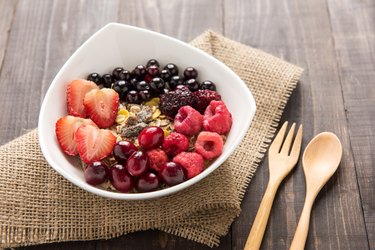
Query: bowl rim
x=158, y=193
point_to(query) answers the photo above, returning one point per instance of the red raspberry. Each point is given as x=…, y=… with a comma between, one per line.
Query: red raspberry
x=192, y=162
x=204, y=97
x=188, y=121
x=157, y=158
x=175, y=143
x=217, y=118
x=209, y=145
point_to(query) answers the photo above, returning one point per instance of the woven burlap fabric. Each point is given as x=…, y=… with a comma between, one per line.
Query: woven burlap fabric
x=37, y=205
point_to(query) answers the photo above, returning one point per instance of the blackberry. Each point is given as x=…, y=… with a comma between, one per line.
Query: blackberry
x=172, y=101
x=203, y=99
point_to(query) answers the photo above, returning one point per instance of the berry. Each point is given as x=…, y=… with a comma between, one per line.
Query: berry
x=139, y=72
x=175, y=81
x=157, y=85
x=122, y=88
x=76, y=91
x=192, y=84
x=137, y=163
x=95, y=77
x=96, y=173
x=147, y=182
x=190, y=73
x=94, y=144
x=153, y=71
x=134, y=82
x=172, y=173
x=217, y=118
x=204, y=97
x=116, y=73
x=151, y=137
x=124, y=75
x=157, y=158
x=122, y=150
x=172, y=68
x=142, y=85
x=173, y=100
x=145, y=95
x=133, y=97
x=107, y=80
x=192, y=162
x=208, y=85
x=165, y=75
x=209, y=145
x=152, y=62
x=66, y=129
x=188, y=121
x=175, y=143
x=120, y=178
x=101, y=105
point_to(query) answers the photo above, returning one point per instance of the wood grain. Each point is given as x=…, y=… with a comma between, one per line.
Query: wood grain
x=354, y=36
x=300, y=32
x=333, y=40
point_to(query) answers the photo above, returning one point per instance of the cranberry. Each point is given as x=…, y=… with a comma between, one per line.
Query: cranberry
x=147, y=182
x=137, y=163
x=96, y=173
x=122, y=150
x=172, y=173
x=151, y=137
x=120, y=178
x=153, y=70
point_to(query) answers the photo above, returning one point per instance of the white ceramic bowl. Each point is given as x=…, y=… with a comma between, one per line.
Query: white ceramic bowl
x=122, y=45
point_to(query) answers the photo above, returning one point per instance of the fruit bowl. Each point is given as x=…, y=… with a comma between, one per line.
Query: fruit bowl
x=118, y=44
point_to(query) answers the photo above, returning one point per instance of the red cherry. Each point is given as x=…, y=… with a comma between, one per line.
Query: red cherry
x=151, y=137
x=172, y=173
x=120, y=178
x=96, y=173
x=137, y=163
x=122, y=150
x=147, y=182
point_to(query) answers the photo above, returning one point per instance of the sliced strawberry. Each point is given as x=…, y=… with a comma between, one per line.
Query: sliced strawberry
x=75, y=93
x=101, y=105
x=66, y=129
x=94, y=144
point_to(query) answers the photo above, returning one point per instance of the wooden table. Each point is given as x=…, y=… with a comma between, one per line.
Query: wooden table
x=333, y=40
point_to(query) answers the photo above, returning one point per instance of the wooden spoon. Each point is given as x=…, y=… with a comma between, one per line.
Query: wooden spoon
x=320, y=161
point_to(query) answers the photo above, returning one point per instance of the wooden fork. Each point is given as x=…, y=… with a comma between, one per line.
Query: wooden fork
x=281, y=162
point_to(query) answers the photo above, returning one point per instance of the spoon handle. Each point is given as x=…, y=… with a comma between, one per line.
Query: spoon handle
x=299, y=240
x=259, y=226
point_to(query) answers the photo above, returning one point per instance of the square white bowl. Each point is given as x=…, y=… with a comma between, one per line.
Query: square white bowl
x=122, y=45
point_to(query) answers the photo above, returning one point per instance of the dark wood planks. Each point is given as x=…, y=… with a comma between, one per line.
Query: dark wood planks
x=354, y=36
x=7, y=8
x=300, y=32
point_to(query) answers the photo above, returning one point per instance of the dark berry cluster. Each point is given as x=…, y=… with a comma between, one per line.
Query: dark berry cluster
x=145, y=82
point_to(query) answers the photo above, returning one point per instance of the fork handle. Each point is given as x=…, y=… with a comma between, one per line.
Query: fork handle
x=255, y=237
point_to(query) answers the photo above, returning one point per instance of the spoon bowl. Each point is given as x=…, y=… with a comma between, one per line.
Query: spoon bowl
x=320, y=161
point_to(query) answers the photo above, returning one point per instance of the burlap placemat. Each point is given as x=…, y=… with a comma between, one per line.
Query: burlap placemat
x=37, y=205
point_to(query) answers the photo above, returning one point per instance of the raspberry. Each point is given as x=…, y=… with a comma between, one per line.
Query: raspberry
x=175, y=143
x=157, y=158
x=217, y=118
x=204, y=97
x=209, y=145
x=192, y=162
x=173, y=100
x=188, y=121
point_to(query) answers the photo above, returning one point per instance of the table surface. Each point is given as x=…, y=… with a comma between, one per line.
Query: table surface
x=333, y=40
